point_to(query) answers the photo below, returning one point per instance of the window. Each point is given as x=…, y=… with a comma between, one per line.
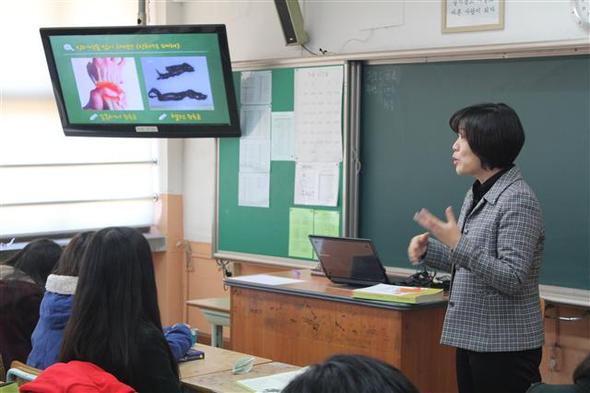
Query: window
x=50, y=183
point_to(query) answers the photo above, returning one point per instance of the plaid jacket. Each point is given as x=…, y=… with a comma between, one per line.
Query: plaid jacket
x=494, y=303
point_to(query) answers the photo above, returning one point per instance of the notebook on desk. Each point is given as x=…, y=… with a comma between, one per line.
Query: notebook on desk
x=349, y=261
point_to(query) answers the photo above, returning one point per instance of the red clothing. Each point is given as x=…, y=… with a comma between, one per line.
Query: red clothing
x=75, y=377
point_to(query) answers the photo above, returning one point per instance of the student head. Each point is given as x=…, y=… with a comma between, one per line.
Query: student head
x=69, y=262
x=582, y=372
x=115, y=296
x=351, y=374
x=493, y=131
x=36, y=260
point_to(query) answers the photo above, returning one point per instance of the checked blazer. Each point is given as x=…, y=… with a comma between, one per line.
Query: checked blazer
x=494, y=303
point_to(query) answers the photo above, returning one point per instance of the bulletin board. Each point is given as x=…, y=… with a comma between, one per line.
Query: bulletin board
x=252, y=233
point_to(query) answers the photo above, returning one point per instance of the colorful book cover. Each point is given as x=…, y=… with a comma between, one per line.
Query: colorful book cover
x=395, y=293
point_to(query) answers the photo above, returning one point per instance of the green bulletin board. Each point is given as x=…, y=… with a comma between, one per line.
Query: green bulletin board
x=266, y=231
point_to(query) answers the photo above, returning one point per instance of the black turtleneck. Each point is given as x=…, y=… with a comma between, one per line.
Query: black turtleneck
x=479, y=190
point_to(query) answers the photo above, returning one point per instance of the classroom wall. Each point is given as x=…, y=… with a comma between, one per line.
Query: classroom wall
x=254, y=33
x=367, y=26
x=341, y=27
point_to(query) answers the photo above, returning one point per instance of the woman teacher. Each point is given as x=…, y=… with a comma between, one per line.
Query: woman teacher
x=494, y=254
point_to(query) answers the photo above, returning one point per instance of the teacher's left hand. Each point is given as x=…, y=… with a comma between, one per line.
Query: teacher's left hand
x=446, y=232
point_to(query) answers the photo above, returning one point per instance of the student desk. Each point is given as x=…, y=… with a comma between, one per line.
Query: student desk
x=305, y=322
x=225, y=381
x=216, y=311
x=216, y=360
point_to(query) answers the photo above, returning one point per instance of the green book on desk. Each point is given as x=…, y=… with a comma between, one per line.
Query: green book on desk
x=395, y=293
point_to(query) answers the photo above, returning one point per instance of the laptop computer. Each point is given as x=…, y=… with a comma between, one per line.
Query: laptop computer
x=349, y=261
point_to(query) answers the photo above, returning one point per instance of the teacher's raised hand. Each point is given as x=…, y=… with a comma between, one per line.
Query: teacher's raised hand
x=417, y=247
x=447, y=232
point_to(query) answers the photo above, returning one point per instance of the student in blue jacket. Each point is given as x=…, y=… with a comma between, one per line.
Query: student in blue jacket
x=494, y=252
x=56, y=308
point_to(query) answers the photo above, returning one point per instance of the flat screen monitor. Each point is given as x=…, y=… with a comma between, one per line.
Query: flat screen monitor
x=143, y=81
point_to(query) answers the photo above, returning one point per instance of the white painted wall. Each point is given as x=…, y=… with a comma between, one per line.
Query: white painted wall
x=341, y=27
x=199, y=188
x=254, y=30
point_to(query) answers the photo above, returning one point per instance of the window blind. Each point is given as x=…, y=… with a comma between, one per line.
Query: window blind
x=50, y=183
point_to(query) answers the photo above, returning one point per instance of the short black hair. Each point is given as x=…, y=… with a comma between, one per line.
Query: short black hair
x=351, y=374
x=493, y=131
x=582, y=371
x=36, y=260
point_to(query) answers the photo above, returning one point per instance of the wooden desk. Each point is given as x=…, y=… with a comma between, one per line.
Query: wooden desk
x=225, y=381
x=306, y=322
x=216, y=360
x=216, y=310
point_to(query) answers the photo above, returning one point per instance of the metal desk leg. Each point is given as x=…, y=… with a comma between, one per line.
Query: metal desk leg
x=216, y=335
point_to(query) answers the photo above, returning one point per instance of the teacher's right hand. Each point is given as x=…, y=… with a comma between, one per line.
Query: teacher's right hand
x=417, y=247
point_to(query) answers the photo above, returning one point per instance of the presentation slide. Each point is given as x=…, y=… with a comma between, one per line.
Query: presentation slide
x=141, y=78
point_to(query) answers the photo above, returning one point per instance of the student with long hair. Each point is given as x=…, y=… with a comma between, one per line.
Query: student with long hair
x=56, y=308
x=22, y=278
x=115, y=321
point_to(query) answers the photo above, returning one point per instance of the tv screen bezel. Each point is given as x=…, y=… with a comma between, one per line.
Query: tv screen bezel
x=183, y=130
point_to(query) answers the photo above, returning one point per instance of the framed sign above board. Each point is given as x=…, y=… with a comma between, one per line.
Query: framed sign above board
x=472, y=15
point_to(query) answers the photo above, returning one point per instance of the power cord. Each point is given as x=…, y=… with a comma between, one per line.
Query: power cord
x=322, y=51
x=223, y=265
x=425, y=279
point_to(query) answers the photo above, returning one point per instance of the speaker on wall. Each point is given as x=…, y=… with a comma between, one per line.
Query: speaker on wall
x=291, y=22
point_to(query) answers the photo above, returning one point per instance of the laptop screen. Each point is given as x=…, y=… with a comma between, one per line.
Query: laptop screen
x=349, y=261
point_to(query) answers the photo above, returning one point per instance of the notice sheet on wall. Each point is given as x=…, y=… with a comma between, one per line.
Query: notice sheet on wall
x=316, y=184
x=318, y=114
x=282, y=136
x=256, y=88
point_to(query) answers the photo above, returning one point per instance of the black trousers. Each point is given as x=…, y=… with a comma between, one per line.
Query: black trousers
x=497, y=372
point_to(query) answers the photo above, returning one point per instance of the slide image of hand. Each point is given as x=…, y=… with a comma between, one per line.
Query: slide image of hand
x=107, y=83
x=107, y=75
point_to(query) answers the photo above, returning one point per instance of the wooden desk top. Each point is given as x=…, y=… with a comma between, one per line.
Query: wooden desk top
x=214, y=303
x=225, y=381
x=216, y=360
x=320, y=287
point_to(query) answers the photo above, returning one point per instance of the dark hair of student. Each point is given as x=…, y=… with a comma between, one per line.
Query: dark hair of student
x=493, y=131
x=351, y=374
x=583, y=370
x=36, y=260
x=69, y=262
x=115, y=298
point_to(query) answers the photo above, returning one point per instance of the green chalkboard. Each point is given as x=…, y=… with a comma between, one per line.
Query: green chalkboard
x=255, y=230
x=406, y=148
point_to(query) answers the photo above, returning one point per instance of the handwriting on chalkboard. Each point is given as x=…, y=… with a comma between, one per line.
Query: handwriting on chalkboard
x=383, y=86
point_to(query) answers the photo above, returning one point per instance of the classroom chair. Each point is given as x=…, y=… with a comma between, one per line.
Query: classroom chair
x=21, y=373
